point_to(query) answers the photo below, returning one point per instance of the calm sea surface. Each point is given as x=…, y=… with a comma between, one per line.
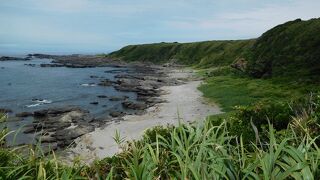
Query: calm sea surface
x=26, y=89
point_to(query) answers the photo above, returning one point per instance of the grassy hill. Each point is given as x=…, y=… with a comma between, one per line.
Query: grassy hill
x=201, y=54
x=290, y=49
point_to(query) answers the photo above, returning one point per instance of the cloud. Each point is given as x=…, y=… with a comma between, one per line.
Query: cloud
x=93, y=24
x=252, y=22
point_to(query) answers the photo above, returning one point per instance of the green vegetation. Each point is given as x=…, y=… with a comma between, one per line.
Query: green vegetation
x=200, y=54
x=199, y=151
x=290, y=49
x=270, y=129
x=229, y=88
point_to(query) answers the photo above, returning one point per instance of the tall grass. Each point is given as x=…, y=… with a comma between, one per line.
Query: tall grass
x=208, y=151
x=187, y=151
x=31, y=162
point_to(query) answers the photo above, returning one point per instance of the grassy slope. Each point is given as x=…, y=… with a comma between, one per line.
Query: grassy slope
x=289, y=52
x=200, y=54
x=290, y=49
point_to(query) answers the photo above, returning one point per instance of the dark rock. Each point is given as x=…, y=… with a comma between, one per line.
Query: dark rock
x=40, y=113
x=66, y=134
x=29, y=130
x=24, y=114
x=9, y=58
x=102, y=96
x=135, y=106
x=116, y=114
x=51, y=65
x=78, y=66
x=94, y=103
x=118, y=98
x=4, y=110
x=43, y=56
x=32, y=65
x=106, y=82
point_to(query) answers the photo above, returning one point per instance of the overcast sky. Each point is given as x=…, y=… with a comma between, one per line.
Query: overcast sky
x=96, y=26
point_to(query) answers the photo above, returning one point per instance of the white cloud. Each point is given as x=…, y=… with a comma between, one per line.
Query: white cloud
x=252, y=22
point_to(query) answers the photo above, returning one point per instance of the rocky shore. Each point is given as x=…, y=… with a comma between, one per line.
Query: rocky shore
x=59, y=127
x=180, y=102
x=9, y=58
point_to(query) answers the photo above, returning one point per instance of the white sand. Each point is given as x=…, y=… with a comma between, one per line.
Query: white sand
x=185, y=99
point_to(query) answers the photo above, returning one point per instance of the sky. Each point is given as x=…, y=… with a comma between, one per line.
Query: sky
x=102, y=26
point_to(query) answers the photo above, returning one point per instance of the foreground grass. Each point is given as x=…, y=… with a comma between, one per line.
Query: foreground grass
x=187, y=151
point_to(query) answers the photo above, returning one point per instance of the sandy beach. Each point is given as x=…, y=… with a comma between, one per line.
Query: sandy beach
x=184, y=101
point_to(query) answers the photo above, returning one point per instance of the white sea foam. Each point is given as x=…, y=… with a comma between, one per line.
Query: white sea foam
x=43, y=101
x=39, y=102
x=88, y=85
x=33, y=105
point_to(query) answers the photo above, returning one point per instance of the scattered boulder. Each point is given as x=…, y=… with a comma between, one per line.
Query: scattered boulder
x=116, y=114
x=118, y=98
x=102, y=96
x=134, y=106
x=51, y=65
x=29, y=130
x=106, y=82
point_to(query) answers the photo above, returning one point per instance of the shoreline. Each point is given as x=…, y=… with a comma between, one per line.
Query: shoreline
x=184, y=101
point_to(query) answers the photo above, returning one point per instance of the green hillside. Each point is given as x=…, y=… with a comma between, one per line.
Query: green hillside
x=202, y=54
x=291, y=49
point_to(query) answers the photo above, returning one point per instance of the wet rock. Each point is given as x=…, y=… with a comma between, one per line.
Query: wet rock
x=46, y=139
x=31, y=65
x=116, y=114
x=51, y=65
x=118, y=98
x=4, y=110
x=9, y=58
x=78, y=66
x=29, y=130
x=106, y=82
x=134, y=106
x=24, y=114
x=102, y=96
